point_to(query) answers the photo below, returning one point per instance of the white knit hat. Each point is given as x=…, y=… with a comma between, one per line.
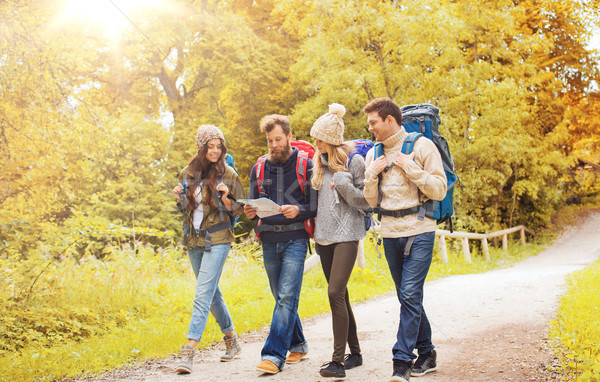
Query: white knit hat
x=329, y=128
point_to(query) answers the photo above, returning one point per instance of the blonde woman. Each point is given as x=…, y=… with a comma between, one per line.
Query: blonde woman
x=339, y=227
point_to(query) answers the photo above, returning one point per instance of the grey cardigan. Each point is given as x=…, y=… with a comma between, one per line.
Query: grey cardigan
x=340, y=216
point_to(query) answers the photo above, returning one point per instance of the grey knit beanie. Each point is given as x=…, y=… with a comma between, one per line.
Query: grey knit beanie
x=329, y=128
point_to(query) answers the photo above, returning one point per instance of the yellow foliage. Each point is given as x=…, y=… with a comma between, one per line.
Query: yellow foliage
x=103, y=127
x=576, y=330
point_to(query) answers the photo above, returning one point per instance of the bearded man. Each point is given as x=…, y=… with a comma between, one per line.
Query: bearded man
x=284, y=239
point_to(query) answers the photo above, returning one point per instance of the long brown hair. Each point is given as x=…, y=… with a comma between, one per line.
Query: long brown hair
x=207, y=174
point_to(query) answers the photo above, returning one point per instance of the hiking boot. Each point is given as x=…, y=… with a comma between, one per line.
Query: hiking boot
x=186, y=359
x=402, y=371
x=333, y=369
x=268, y=367
x=352, y=360
x=294, y=357
x=424, y=364
x=232, y=348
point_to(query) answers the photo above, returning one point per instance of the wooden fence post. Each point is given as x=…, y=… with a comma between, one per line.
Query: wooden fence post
x=523, y=236
x=505, y=242
x=466, y=251
x=485, y=248
x=311, y=262
x=442, y=248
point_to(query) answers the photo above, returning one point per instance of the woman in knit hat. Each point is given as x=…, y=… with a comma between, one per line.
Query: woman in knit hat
x=207, y=194
x=339, y=227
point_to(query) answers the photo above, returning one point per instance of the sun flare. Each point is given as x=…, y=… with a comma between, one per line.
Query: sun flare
x=111, y=15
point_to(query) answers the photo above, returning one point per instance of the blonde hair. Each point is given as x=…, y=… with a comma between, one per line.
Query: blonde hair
x=337, y=156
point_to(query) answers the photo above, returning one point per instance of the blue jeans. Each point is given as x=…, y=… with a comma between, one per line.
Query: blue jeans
x=409, y=273
x=208, y=267
x=284, y=263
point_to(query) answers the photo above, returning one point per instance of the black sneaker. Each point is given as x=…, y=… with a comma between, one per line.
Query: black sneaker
x=402, y=371
x=333, y=369
x=424, y=364
x=352, y=360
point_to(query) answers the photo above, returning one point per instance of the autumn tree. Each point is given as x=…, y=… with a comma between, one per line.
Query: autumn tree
x=59, y=142
x=98, y=123
x=476, y=60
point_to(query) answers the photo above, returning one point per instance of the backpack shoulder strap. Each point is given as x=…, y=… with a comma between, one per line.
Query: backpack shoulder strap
x=409, y=142
x=301, y=164
x=260, y=174
x=183, y=202
x=185, y=185
x=378, y=150
x=407, y=148
x=350, y=156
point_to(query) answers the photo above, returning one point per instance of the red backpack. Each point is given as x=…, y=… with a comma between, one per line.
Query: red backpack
x=305, y=151
x=304, y=146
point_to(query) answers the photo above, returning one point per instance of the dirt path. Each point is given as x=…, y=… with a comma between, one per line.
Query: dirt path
x=486, y=327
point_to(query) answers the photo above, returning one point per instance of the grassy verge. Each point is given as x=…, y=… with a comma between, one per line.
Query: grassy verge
x=575, y=333
x=576, y=330
x=136, y=305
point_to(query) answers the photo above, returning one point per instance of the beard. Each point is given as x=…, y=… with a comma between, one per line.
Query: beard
x=281, y=156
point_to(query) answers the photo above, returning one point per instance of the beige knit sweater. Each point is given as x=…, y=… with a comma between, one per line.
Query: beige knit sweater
x=400, y=187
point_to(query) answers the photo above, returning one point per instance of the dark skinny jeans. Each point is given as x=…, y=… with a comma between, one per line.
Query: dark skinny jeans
x=337, y=261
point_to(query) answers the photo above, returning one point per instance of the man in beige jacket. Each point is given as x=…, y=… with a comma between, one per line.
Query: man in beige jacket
x=405, y=182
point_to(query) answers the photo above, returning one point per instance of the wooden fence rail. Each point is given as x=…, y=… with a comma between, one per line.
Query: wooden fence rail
x=465, y=236
x=313, y=260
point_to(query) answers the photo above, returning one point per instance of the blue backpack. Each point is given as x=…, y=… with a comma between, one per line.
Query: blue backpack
x=362, y=147
x=230, y=162
x=423, y=120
